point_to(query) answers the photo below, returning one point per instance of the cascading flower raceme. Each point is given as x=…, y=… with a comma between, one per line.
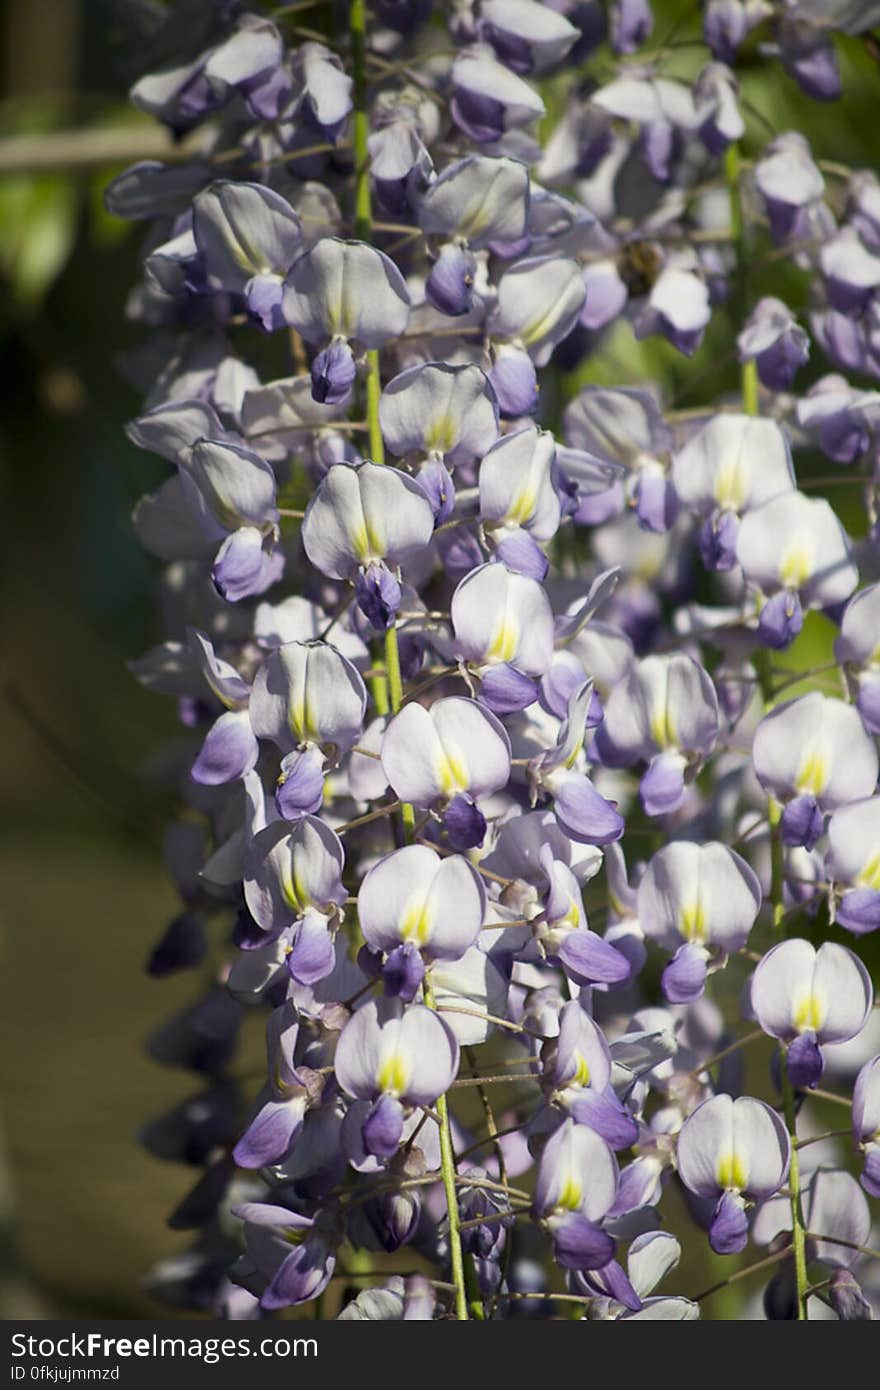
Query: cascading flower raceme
x=529, y=720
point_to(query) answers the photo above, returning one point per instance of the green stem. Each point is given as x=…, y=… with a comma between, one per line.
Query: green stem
x=395, y=692
x=749, y=372
x=447, y=1169
x=798, y=1237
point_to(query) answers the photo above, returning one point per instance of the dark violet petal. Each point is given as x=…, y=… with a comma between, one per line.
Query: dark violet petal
x=243, y=567
x=580, y=1244
x=868, y=703
x=450, y=285
x=516, y=383
x=804, y=1061
x=269, y=1135
x=403, y=972
x=656, y=502
x=615, y=1281
x=604, y=1113
x=333, y=373
x=870, y=1175
x=588, y=959
x=383, y=1127
x=718, y=535
x=583, y=813
x=504, y=689
x=312, y=956
x=302, y=1277
x=377, y=594
x=802, y=822
x=729, y=1229
x=662, y=786
x=777, y=367
x=228, y=752
x=300, y=789
x=480, y=117
x=435, y=480
x=632, y=22
x=519, y=552
x=684, y=978
x=859, y=910
x=263, y=295
x=464, y=823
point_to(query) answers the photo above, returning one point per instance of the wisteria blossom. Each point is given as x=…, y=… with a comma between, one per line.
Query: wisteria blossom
x=525, y=652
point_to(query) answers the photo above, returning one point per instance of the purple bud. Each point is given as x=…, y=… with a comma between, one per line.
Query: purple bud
x=802, y=822
x=729, y=1230
x=377, y=594
x=781, y=620
x=804, y=1061
x=846, y=1298
x=333, y=373
x=449, y=287
x=393, y=1217
x=464, y=823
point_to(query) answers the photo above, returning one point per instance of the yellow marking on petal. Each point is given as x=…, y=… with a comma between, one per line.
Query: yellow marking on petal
x=452, y=773
x=522, y=506
x=731, y=484
x=813, y=774
x=571, y=1194
x=535, y=330
x=870, y=874
x=441, y=434
x=504, y=640
x=417, y=923
x=360, y=542
x=294, y=890
x=692, y=923
x=795, y=566
x=663, y=727
x=581, y=1071
x=393, y=1074
x=732, y=1171
x=294, y=1235
x=809, y=1013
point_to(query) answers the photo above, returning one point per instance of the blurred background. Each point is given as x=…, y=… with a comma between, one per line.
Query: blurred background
x=82, y=1206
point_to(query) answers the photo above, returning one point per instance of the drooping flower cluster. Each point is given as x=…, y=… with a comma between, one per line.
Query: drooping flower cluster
x=494, y=794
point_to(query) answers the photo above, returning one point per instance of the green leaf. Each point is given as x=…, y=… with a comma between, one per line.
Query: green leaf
x=40, y=213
